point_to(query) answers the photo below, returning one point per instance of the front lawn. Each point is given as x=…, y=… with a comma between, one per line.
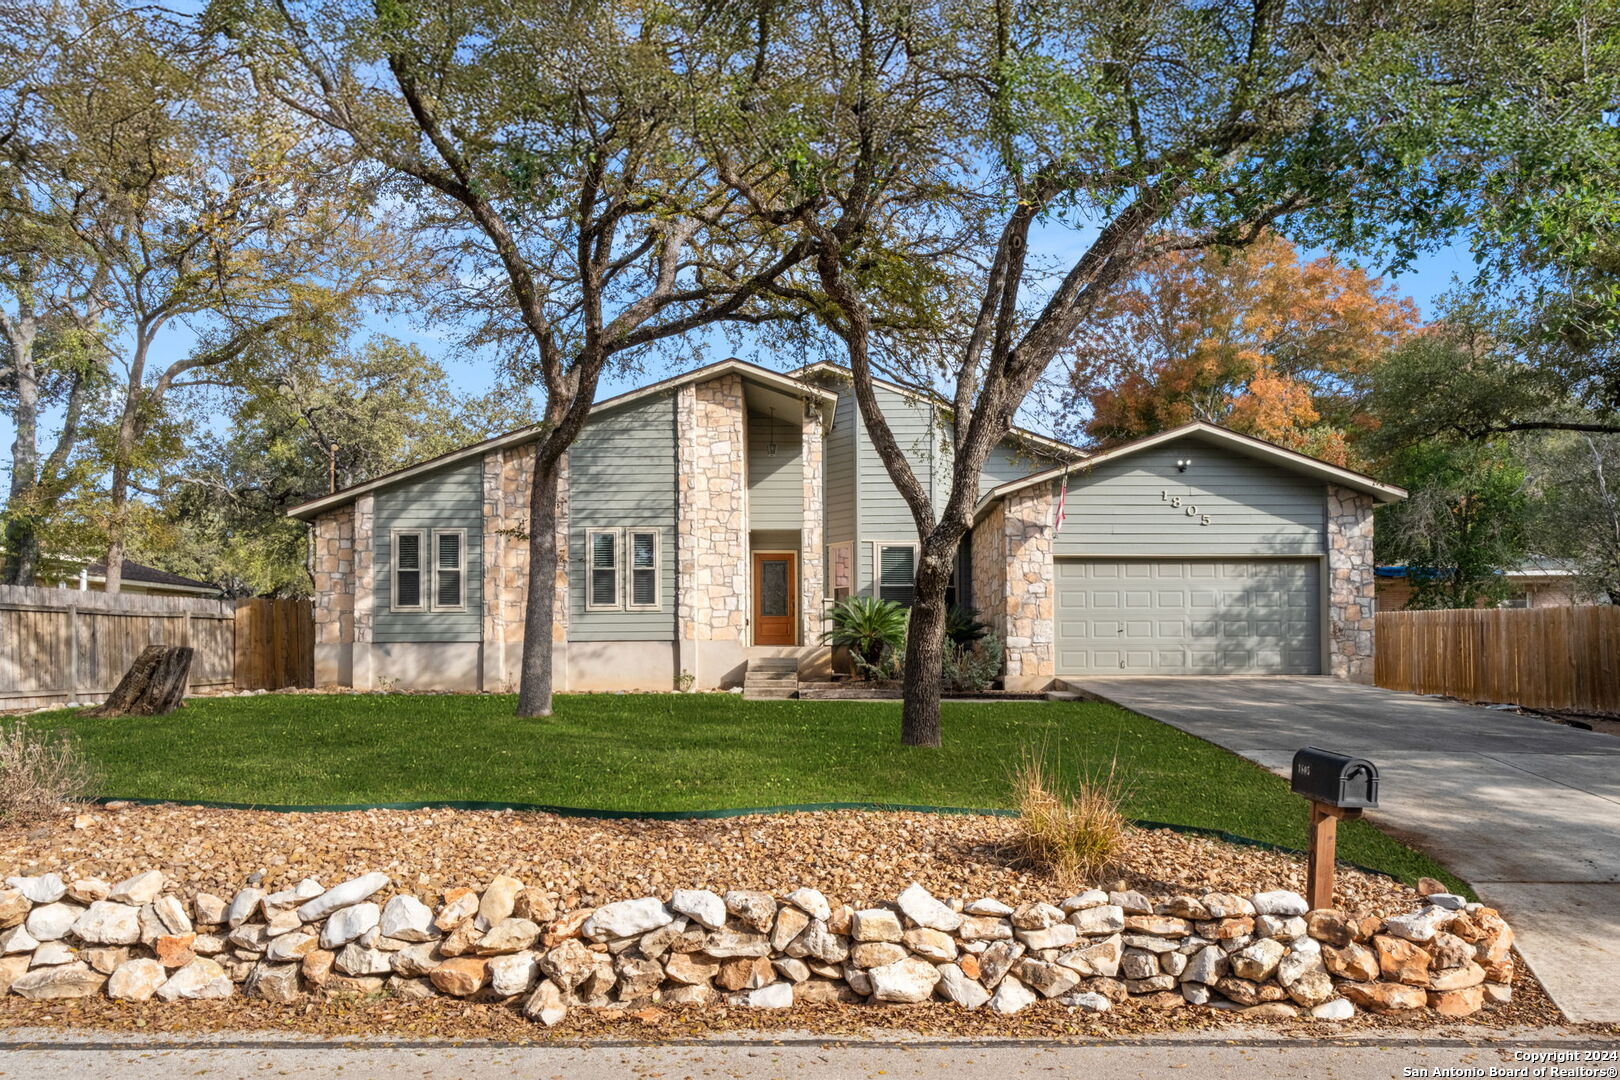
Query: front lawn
x=682, y=752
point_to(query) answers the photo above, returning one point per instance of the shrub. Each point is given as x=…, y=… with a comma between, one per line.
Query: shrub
x=873, y=630
x=972, y=666
x=38, y=771
x=962, y=625
x=1077, y=835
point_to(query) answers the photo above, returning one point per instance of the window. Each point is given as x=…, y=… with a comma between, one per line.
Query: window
x=1516, y=600
x=645, y=590
x=897, y=571
x=602, y=552
x=449, y=577
x=406, y=594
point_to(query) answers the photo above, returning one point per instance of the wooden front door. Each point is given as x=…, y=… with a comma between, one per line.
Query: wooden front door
x=776, y=607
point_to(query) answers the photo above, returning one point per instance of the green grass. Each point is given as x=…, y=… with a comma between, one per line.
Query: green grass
x=683, y=752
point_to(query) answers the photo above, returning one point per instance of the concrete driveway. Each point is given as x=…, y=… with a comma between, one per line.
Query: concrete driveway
x=1526, y=811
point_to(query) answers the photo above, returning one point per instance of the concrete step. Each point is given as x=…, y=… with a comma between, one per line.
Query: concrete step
x=769, y=694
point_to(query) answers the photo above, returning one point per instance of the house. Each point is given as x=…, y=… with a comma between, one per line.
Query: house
x=1534, y=582
x=715, y=517
x=135, y=578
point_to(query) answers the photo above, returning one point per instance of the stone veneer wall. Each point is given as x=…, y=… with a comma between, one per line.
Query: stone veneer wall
x=1031, y=627
x=1264, y=953
x=988, y=566
x=508, y=484
x=711, y=421
x=1351, y=584
x=812, y=560
x=332, y=565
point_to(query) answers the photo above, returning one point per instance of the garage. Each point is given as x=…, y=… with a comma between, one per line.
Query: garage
x=1188, y=616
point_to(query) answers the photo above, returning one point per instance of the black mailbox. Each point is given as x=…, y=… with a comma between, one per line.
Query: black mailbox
x=1335, y=779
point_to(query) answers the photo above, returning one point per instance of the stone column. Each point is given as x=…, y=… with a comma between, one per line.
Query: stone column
x=508, y=483
x=712, y=530
x=812, y=544
x=988, y=553
x=365, y=591
x=1351, y=584
x=1030, y=611
x=332, y=567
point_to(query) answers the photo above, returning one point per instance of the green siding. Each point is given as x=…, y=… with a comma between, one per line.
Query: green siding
x=622, y=474
x=452, y=498
x=1011, y=461
x=882, y=513
x=1255, y=507
x=838, y=487
x=775, y=482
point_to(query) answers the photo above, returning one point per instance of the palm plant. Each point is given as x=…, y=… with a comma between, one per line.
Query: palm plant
x=868, y=627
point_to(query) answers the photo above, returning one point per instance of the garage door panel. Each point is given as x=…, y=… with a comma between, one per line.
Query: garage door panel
x=1208, y=616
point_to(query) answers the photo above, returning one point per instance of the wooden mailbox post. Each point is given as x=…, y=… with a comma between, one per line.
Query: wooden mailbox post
x=1338, y=787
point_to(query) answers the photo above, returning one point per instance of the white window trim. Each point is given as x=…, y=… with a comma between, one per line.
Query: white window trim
x=423, y=574
x=591, y=568
x=630, y=570
x=433, y=599
x=877, y=563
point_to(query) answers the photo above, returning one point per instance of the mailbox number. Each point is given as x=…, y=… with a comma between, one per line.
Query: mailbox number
x=1189, y=509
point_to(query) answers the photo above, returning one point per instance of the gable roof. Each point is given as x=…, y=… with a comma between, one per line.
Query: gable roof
x=1245, y=444
x=310, y=509
x=1056, y=447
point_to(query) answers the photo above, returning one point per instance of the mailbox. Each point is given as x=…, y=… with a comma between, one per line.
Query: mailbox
x=1335, y=779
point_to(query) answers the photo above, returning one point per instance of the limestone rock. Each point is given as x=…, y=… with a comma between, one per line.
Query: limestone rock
x=105, y=960
x=408, y=919
x=1059, y=936
x=499, y=898
x=1158, y=925
x=930, y=944
x=1399, y=960
x=1274, y=1010
x=638, y=977
x=1206, y=965
x=17, y=940
x=702, y=906
x=876, y=924
x=726, y=943
x=1130, y=902
x=1256, y=962
x=243, y=906
x=316, y=967
x=1049, y=980
x=202, y=979
x=1011, y=996
x=341, y=896
x=985, y=928
x=1280, y=902
x=49, y=922
x=1458, y=978
x=955, y=986
x=814, y=992
x=461, y=905
x=172, y=914
x=209, y=909
x=871, y=954
x=1418, y=925
x=908, y=981
x=1336, y=1009
x=289, y=947
x=53, y=952
x=818, y=942
x=44, y=889
x=1303, y=958
x=692, y=969
x=627, y=918
x=136, y=980
x=790, y=923
x=510, y=935
x=515, y=973
x=356, y=959
x=755, y=910
x=414, y=961
x=1354, y=961
x=794, y=971
x=75, y=980
x=138, y=890
x=921, y=907
x=1086, y=1001
x=996, y=961
x=569, y=964
x=1384, y=997
x=88, y=890
x=1137, y=964
x=1107, y=919
x=1099, y=957
x=273, y=982
x=1283, y=928
x=1449, y=951
x=106, y=922
x=987, y=906
x=1330, y=926
x=745, y=973
x=346, y=924
x=777, y=995
x=461, y=976
x=1311, y=989
x=12, y=968
x=811, y=902
x=13, y=908
x=545, y=1004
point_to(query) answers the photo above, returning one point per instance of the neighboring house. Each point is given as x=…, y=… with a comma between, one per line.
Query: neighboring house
x=715, y=517
x=134, y=578
x=1536, y=582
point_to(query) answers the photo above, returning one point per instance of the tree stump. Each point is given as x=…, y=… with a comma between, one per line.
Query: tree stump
x=154, y=685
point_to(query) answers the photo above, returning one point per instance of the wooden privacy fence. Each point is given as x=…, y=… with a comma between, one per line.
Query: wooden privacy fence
x=1543, y=658
x=61, y=645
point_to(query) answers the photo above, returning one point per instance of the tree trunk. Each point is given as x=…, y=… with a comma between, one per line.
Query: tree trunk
x=154, y=685
x=534, y=691
x=22, y=547
x=22, y=535
x=925, y=643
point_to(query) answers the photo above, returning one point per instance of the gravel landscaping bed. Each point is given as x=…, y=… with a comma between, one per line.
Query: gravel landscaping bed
x=852, y=856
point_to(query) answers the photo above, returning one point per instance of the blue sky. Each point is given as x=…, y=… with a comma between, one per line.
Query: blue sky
x=1431, y=276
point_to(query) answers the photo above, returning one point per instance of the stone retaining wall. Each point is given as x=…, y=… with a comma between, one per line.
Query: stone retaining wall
x=1264, y=955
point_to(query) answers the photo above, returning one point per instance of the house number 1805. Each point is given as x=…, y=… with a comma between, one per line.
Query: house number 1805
x=1187, y=508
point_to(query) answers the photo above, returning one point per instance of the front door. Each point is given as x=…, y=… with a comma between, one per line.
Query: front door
x=775, y=611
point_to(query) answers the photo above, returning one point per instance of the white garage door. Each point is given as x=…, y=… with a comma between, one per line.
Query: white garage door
x=1188, y=616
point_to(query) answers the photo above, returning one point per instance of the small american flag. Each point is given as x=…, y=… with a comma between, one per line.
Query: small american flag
x=1058, y=514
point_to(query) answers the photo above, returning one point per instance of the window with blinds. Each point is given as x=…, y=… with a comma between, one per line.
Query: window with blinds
x=897, y=572
x=449, y=576
x=406, y=594
x=602, y=554
x=644, y=569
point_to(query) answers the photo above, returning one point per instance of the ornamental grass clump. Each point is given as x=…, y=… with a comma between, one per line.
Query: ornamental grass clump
x=39, y=771
x=1078, y=835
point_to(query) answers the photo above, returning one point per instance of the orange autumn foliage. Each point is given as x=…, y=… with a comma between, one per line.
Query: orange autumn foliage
x=1254, y=340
